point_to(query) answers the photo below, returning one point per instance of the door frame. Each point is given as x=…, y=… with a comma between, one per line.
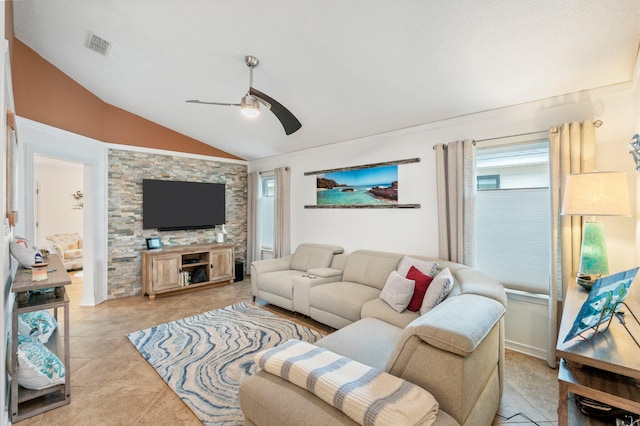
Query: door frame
x=38, y=138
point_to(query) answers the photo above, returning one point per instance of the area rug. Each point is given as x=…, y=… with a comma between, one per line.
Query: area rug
x=204, y=358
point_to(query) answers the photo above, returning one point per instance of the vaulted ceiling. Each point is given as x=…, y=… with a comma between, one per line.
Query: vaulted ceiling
x=346, y=69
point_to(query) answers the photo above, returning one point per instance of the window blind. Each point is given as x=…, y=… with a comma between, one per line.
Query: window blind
x=512, y=237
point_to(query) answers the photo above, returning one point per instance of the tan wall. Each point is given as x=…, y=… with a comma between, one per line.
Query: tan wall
x=45, y=94
x=8, y=23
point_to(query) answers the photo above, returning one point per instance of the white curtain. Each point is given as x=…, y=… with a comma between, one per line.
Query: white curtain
x=282, y=212
x=253, y=245
x=456, y=191
x=571, y=150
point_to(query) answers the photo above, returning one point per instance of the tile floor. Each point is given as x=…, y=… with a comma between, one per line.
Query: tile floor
x=112, y=385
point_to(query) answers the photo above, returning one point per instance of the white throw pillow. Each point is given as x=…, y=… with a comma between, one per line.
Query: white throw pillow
x=24, y=253
x=397, y=291
x=437, y=291
x=39, y=325
x=38, y=367
x=424, y=266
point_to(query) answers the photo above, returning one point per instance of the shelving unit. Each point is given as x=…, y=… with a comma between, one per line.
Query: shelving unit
x=605, y=368
x=172, y=269
x=26, y=403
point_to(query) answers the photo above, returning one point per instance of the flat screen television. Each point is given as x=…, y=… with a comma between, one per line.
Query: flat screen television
x=174, y=205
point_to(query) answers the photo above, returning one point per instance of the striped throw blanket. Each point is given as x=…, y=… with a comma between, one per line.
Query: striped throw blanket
x=365, y=394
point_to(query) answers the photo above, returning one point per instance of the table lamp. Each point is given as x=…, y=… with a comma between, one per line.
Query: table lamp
x=595, y=194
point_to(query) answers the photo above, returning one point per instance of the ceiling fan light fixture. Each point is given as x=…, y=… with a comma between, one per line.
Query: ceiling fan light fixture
x=249, y=106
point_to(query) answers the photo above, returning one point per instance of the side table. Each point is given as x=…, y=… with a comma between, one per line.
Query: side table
x=26, y=403
x=604, y=368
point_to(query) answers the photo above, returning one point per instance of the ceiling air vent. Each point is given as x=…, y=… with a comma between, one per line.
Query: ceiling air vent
x=98, y=44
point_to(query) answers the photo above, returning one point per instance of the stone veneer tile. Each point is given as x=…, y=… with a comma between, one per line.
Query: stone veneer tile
x=126, y=237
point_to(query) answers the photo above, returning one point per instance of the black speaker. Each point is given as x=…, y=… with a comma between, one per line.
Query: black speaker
x=239, y=271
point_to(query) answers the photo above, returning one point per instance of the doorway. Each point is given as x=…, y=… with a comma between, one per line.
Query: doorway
x=59, y=197
x=40, y=140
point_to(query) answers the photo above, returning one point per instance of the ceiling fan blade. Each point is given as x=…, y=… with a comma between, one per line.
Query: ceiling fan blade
x=287, y=119
x=196, y=101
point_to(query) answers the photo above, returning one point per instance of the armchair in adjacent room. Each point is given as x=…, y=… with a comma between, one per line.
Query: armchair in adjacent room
x=69, y=247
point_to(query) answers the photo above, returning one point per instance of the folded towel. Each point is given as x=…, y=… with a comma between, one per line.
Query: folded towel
x=365, y=394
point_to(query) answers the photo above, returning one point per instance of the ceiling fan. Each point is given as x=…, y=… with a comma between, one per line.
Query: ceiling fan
x=250, y=103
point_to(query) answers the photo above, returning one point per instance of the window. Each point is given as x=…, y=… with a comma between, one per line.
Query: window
x=513, y=227
x=266, y=214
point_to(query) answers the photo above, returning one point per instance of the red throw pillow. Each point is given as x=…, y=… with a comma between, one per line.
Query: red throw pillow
x=420, y=289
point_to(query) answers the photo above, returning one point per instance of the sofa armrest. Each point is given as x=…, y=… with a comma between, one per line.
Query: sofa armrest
x=329, y=376
x=459, y=324
x=269, y=265
x=58, y=248
x=268, y=400
x=304, y=283
x=326, y=273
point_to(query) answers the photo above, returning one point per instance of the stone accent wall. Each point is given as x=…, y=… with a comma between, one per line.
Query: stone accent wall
x=126, y=237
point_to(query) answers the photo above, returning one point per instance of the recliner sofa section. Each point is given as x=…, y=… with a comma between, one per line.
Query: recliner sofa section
x=274, y=280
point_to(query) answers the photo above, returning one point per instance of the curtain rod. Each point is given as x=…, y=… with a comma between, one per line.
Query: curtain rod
x=596, y=123
x=271, y=171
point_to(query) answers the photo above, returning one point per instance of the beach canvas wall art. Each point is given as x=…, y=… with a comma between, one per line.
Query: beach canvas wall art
x=359, y=187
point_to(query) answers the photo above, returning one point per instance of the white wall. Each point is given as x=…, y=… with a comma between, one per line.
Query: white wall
x=58, y=211
x=636, y=129
x=415, y=230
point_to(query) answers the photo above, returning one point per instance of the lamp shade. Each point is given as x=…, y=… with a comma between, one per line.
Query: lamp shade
x=596, y=194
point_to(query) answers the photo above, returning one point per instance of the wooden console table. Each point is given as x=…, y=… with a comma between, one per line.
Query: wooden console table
x=170, y=269
x=27, y=402
x=605, y=368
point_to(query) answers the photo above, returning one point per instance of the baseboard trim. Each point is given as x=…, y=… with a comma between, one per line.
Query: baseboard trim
x=526, y=349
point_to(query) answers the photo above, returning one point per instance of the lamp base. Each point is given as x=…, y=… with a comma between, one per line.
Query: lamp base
x=593, y=253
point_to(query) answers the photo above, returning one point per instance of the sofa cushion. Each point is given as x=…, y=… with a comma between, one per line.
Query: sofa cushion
x=73, y=254
x=397, y=291
x=379, y=309
x=420, y=287
x=437, y=291
x=427, y=267
x=370, y=267
x=355, y=341
x=367, y=395
x=344, y=299
x=68, y=241
x=279, y=282
x=309, y=256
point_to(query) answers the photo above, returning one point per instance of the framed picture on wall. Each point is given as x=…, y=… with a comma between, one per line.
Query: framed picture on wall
x=12, y=169
x=365, y=186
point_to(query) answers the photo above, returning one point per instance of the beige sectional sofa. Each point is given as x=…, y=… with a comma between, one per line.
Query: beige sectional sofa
x=455, y=350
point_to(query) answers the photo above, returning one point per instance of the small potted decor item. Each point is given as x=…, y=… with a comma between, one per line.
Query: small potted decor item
x=220, y=234
x=39, y=268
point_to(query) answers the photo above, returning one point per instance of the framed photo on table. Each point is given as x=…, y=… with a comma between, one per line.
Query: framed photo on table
x=154, y=243
x=604, y=297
